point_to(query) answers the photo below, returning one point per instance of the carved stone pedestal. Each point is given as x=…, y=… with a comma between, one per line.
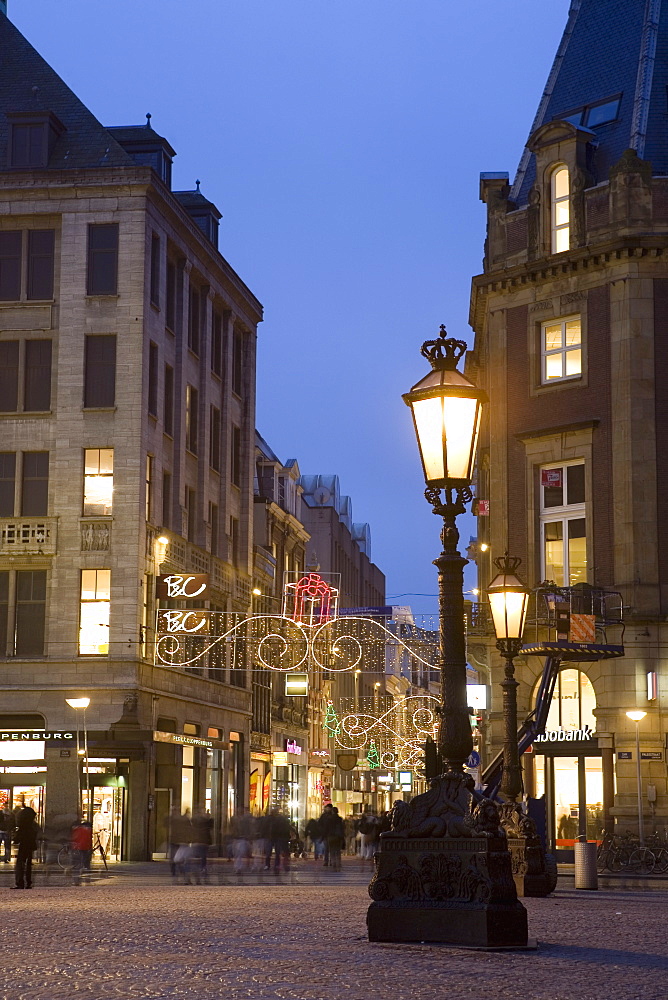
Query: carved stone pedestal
x=456, y=890
x=532, y=875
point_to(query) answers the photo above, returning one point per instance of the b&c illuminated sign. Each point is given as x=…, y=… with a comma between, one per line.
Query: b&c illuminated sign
x=182, y=586
x=191, y=622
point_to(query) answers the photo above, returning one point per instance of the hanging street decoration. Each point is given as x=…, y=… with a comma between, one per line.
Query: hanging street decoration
x=308, y=634
x=331, y=721
x=372, y=757
x=397, y=735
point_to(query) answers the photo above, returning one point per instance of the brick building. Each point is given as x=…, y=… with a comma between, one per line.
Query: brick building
x=127, y=382
x=569, y=318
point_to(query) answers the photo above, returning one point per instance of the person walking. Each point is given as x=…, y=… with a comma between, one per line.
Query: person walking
x=182, y=834
x=7, y=827
x=25, y=837
x=314, y=834
x=81, y=842
x=279, y=842
x=335, y=840
x=202, y=828
x=326, y=823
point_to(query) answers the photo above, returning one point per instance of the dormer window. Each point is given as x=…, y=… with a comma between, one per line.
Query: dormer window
x=592, y=115
x=561, y=210
x=32, y=137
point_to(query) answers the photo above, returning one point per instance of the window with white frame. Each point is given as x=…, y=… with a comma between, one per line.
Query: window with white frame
x=94, y=612
x=563, y=525
x=98, y=481
x=561, y=349
x=560, y=203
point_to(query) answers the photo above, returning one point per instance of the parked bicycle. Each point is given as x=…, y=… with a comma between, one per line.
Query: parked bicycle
x=623, y=854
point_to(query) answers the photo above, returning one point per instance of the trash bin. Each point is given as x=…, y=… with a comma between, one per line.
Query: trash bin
x=586, y=875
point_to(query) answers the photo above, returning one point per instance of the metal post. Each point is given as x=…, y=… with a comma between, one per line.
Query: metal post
x=511, y=779
x=455, y=741
x=641, y=819
x=88, y=807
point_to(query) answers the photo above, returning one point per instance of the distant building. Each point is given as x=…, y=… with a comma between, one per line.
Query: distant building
x=127, y=391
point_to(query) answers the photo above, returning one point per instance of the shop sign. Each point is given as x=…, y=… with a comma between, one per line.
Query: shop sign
x=188, y=741
x=561, y=735
x=190, y=622
x=182, y=586
x=34, y=734
x=291, y=746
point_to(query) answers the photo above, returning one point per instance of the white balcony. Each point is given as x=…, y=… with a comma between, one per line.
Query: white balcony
x=35, y=536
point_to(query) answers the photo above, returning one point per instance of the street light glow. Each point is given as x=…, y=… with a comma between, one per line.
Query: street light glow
x=78, y=702
x=637, y=714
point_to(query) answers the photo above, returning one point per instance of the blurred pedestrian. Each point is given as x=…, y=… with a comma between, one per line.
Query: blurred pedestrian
x=279, y=841
x=81, y=843
x=25, y=837
x=314, y=834
x=7, y=827
x=201, y=839
x=325, y=821
x=335, y=840
x=368, y=827
x=242, y=838
x=182, y=834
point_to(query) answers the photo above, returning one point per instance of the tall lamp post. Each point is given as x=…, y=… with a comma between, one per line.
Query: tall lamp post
x=439, y=847
x=508, y=598
x=76, y=704
x=637, y=715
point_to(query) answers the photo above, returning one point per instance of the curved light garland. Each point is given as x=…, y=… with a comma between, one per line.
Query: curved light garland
x=400, y=733
x=280, y=643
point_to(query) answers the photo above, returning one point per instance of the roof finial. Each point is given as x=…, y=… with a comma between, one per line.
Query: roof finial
x=197, y=183
x=148, y=119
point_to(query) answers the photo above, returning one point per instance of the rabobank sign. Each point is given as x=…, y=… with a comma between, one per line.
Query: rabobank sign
x=565, y=735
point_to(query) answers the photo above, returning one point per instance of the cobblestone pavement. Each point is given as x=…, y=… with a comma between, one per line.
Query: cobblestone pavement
x=128, y=938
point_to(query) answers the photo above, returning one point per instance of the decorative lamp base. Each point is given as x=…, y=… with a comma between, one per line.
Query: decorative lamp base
x=532, y=874
x=453, y=890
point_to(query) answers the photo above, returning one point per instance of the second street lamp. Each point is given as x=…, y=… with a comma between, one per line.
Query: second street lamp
x=508, y=598
x=443, y=872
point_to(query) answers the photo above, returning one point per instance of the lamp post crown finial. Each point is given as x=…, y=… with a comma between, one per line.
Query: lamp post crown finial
x=444, y=352
x=508, y=565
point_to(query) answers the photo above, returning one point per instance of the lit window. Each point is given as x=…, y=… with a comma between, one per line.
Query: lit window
x=94, y=613
x=98, y=481
x=561, y=349
x=563, y=524
x=561, y=210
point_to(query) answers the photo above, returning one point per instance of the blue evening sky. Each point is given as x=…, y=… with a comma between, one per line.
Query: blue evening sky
x=342, y=140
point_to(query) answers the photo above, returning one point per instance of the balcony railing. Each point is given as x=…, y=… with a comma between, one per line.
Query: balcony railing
x=28, y=536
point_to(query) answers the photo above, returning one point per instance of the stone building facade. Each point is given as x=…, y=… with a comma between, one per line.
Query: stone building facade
x=569, y=318
x=127, y=370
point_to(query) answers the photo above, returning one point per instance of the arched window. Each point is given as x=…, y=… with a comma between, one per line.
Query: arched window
x=561, y=210
x=573, y=702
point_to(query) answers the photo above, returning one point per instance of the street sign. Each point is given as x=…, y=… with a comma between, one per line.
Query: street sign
x=624, y=755
x=651, y=755
x=474, y=759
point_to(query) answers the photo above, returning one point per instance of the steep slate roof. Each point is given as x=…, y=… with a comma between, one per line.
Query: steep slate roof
x=85, y=143
x=610, y=47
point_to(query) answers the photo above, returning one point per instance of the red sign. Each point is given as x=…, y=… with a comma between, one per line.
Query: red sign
x=552, y=477
x=483, y=508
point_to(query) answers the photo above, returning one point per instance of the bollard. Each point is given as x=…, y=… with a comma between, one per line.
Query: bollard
x=586, y=875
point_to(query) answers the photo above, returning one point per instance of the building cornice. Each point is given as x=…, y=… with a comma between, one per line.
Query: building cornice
x=581, y=425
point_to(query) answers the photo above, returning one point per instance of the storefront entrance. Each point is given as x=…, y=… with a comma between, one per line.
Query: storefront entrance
x=106, y=813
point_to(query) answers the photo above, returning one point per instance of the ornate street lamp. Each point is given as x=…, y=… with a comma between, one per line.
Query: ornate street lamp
x=508, y=598
x=442, y=845
x=446, y=409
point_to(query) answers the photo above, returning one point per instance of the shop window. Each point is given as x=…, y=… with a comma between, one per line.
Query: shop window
x=563, y=524
x=191, y=729
x=187, y=778
x=103, y=259
x=98, y=482
x=100, y=371
x=561, y=349
x=560, y=202
x=94, y=612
